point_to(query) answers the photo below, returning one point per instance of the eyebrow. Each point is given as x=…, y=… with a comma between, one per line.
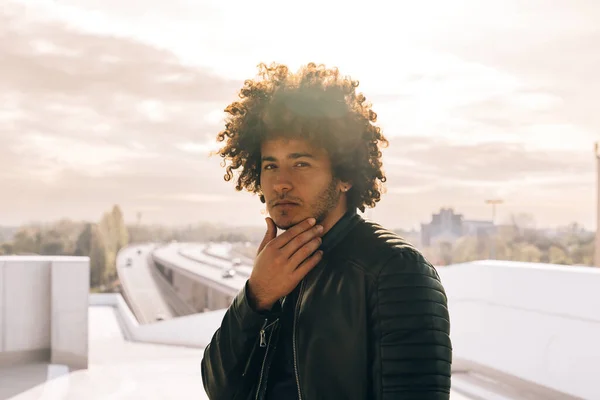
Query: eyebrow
x=292, y=156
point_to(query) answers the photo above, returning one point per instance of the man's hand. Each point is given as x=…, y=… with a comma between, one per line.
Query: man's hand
x=282, y=261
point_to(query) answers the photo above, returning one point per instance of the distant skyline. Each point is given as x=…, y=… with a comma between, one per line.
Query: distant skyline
x=110, y=102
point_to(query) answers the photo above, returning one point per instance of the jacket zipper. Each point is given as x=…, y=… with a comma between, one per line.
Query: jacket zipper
x=262, y=333
x=263, y=343
x=253, y=350
x=296, y=310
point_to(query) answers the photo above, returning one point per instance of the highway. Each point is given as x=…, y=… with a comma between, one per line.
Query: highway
x=195, y=260
x=151, y=297
x=217, y=255
x=141, y=290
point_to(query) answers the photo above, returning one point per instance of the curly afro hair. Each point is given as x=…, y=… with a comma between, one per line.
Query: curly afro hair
x=315, y=104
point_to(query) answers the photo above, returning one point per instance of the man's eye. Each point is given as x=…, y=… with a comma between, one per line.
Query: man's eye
x=302, y=164
x=269, y=166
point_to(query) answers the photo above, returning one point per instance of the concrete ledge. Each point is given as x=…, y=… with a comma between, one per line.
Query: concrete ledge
x=475, y=380
x=22, y=357
x=194, y=330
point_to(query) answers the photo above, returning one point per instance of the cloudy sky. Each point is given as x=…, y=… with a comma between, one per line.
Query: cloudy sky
x=107, y=101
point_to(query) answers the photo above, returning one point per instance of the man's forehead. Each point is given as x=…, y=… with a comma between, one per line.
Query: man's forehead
x=284, y=147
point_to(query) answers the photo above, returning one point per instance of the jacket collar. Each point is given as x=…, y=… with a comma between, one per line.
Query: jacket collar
x=339, y=230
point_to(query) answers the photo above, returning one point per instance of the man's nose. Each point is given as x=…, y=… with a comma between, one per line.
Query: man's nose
x=283, y=183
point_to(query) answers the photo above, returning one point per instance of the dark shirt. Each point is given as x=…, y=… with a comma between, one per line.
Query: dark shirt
x=281, y=383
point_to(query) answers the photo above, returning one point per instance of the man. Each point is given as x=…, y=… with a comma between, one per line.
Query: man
x=336, y=307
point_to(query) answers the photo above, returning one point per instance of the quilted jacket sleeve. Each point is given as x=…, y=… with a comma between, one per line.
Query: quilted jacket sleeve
x=410, y=331
x=229, y=351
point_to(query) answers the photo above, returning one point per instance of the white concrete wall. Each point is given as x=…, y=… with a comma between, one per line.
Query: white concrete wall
x=534, y=321
x=38, y=297
x=25, y=305
x=70, y=297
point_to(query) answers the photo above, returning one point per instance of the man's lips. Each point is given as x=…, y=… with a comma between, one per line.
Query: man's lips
x=285, y=203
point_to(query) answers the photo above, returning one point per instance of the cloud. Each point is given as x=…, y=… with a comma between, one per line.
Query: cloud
x=425, y=175
x=96, y=103
x=550, y=48
x=202, y=148
x=41, y=57
x=203, y=198
x=484, y=162
x=90, y=118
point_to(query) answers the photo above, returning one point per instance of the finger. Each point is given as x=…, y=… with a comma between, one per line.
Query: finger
x=270, y=234
x=294, y=231
x=303, y=253
x=307, y=265
x=302, y=239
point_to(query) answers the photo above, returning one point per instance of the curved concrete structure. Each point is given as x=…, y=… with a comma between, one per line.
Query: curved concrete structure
x=536, y=322
x=520, y=331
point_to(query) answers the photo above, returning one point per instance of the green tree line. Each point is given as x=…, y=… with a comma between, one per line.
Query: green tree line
x=100, y=241
x=570, y=245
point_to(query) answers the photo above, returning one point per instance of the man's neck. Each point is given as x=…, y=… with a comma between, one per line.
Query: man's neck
x=337, y=231
x=334, y=216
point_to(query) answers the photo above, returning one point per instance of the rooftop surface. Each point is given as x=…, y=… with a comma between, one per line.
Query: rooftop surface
x=119, y=369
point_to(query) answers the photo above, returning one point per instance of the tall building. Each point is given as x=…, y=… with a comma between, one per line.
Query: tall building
x=446, y=226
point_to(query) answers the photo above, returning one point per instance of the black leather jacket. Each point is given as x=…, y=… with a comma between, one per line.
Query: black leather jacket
x=371, y=322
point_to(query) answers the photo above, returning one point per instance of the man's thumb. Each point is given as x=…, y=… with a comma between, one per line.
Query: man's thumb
x=271, y=228
x=270, y=234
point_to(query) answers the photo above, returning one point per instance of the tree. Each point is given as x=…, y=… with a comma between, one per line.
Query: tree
x=115, y=236
x=527, y=252
x=465, y=249
x=557, y=255
x=97, y=257
x=6, y=248
x=106, y=231
x=52, y=243
x=24, y=242
x=445, y=253
x=83, y=245
x=119, y=228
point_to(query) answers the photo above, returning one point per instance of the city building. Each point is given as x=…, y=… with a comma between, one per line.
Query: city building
x=447, y=226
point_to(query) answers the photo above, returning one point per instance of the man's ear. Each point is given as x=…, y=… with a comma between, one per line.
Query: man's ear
x=345, y=186
x=260, y=194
